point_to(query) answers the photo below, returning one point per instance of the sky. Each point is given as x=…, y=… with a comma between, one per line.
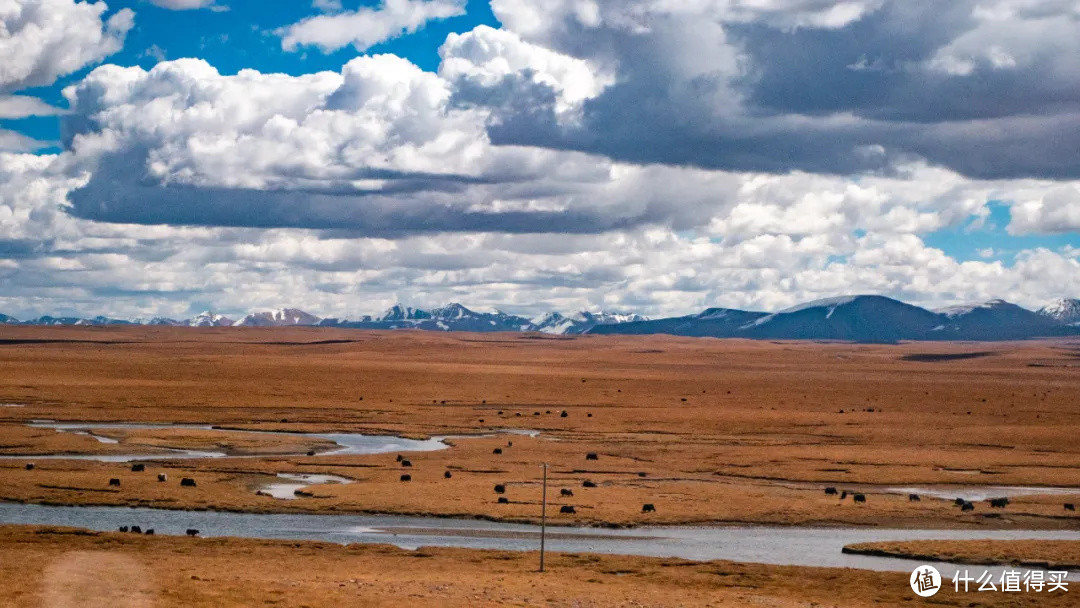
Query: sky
x=164, y=157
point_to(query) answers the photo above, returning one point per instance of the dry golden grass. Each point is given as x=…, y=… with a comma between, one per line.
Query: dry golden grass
x=60, y=568
x=724, y=430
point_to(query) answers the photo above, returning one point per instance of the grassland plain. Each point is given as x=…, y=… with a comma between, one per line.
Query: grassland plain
x=717, y=431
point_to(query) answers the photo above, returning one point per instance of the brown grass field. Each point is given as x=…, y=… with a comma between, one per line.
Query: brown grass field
x=717, y=431
x=63, y=568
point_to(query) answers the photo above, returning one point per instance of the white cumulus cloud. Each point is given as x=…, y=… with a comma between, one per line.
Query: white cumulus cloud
x=366, y=27
x=41, y=40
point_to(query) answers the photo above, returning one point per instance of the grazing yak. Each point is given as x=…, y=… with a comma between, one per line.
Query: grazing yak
x=564, y=415
x=136, y=529
x=1070, y=506
x=138, y=468
x=843, y=495
x=913, y=498
x=566, y=492
x=860, y=498
x=149, y=532
x=311, y=452
x=504, y=500
x=830, y=491
x=114, y=482
x=567, y=509
x=192, y=532
x=592, y=456
x=648, y=508
x=406, y=463
x=400, y=458
x=187, y=482
x=497, y=451
x=123, y=528
x=588, y=484
x=967, y=506
x=642, y=474
x=959, y=502
x=447, y=475
x=406, y=477
x=29, y=466
x=500, y=489
x=999, y=503
x=162, y=477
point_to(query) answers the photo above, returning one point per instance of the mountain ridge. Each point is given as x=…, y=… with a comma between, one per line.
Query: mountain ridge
x=854, y=318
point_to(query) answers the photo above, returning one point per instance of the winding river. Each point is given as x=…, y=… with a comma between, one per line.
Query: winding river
x=795, y=546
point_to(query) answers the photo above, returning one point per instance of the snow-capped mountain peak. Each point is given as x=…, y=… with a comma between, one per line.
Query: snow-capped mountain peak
x=580, y=322
x=400, y=312
x=1063, y=310
x=607, y=318
x=282, y=317
x=451, y=312
x=209, y=319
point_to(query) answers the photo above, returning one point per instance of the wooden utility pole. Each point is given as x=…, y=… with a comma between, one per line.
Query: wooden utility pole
x=543, y=519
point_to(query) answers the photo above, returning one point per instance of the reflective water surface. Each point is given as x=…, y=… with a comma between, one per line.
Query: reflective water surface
x=800, y=546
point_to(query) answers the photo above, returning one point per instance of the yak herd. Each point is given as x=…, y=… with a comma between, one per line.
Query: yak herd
x=964, y=504
x=500, y=488
x=857, y=497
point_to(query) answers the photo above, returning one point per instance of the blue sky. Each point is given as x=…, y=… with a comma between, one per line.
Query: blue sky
x=242, y=38
x=643, y=155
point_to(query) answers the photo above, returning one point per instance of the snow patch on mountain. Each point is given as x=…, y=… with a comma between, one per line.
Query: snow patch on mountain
x=1062, y=310
x=209, y=319
x=284, y=317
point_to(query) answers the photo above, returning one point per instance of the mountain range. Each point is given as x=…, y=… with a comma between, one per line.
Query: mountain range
x=870, y=318
x=863, y=318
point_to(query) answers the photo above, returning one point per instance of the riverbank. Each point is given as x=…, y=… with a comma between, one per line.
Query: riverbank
x=59, y=567
x=1044, y=554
